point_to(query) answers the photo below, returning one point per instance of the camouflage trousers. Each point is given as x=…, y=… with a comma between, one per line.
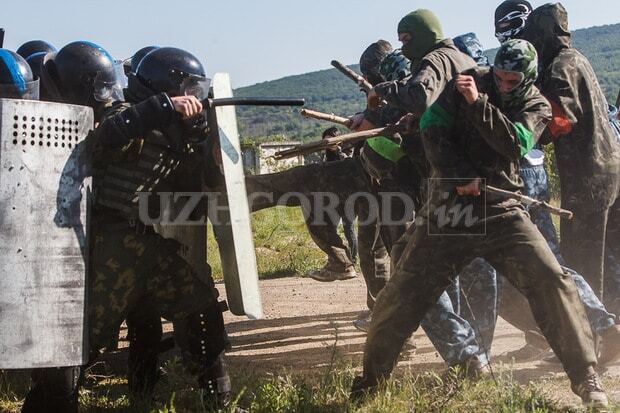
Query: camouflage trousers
x=140, y=272
x=514, y=246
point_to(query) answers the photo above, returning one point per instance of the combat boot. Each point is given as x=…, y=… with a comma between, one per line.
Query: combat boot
x=473, y=368
x=215, y=385
x=591, y=391
x=326, y=275
x=362, y=387
x=363, y=321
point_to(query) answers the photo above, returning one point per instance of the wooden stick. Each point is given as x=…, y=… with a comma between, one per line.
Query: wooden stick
x=329, y=117
x=564, y=213
x=348, y=139
x=351, y=74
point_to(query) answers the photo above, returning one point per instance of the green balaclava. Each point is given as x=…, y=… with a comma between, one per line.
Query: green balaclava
x=425, y=31
x=518, y=56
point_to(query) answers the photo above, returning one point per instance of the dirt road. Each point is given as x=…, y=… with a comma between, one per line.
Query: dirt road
x=305, y=319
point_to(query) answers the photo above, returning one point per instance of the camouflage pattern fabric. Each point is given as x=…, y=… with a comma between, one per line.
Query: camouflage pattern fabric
x=614, y=120
x=132, y=269
x=416, y=94
x=517, y=56
x=469, y=44
x=489, y=294
x=477, y=301
x=535, y=185
x=586, y=150
x=395, y=66
x=484, y=132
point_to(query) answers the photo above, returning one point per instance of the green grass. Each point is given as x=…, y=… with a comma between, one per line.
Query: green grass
x=322, y=391
x=282, y=242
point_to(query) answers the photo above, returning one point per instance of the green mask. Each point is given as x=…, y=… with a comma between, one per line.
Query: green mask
x=425, y=31
x=517, y=56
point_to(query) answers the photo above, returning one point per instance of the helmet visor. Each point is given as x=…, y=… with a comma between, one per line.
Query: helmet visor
x=30, y=91
x=196, y=86
x=107, y=89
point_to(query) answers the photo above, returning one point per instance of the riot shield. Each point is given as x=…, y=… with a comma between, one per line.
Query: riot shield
x=231, y=218
x=44, y=193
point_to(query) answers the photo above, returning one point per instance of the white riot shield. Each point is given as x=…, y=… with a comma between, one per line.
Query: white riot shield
x=231, y=220
x=44, y=196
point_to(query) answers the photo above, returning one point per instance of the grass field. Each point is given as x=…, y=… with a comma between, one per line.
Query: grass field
x=324, y=391
x=283, y=245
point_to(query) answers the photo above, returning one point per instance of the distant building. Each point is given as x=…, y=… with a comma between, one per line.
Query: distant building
x=257, y=158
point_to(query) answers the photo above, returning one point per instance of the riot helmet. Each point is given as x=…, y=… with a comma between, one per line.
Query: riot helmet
x=510, y=18
x=35, y=61
x=173, y=71
x=81, y=73
x=27, y=49
x=131, y=64
x=16, y=78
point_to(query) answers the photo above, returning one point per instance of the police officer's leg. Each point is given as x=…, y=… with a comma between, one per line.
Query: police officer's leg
x=53, y=390
x=423, y=272
x=519, y=252
x=189, y=299
x=110, y=291
x=144, y=332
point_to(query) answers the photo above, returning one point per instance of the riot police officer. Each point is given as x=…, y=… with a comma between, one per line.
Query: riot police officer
x=131, y=265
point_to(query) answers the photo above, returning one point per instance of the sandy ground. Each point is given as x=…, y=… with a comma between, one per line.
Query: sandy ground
x=305, y=319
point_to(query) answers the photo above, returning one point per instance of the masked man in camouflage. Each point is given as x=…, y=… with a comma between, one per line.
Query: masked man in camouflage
x=476, y=133
x=587, y=153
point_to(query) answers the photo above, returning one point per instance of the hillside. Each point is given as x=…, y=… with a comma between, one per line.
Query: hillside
x=329, y=91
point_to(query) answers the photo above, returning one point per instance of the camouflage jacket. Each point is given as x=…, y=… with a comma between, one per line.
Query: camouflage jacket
x=464, y=141
x=587, y=153
x=417, y=93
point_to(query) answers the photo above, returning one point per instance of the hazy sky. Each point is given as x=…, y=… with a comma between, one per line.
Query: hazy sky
x=257, y=40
